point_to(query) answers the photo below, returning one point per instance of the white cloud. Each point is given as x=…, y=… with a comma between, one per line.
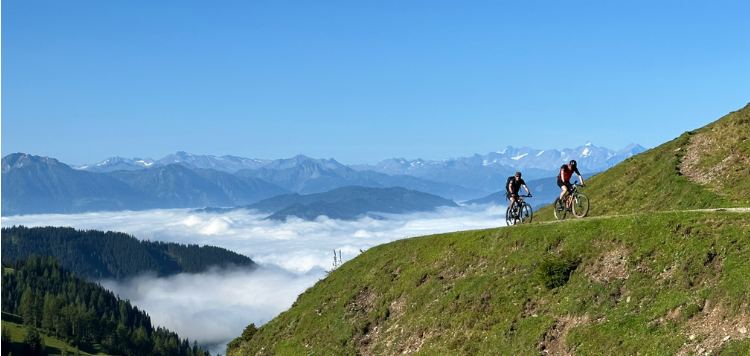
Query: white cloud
x=216, y=306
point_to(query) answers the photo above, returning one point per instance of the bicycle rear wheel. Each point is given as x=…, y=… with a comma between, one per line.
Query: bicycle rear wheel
x=526, y=213
x=559, y=208
x=580, y=205
x=509, y=220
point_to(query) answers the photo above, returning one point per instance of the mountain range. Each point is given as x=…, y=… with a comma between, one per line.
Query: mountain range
x=35, y=185
x=590, y=158
x=481, y=173
x=348, y=203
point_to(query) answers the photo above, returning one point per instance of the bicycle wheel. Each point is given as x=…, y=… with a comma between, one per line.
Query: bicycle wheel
x=509, y=220
x=580, y=205
x=526, y=213
x=559, y=208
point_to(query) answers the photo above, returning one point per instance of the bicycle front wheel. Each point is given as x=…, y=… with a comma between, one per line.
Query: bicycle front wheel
x=559, y=208
x=526, y=213
x=580, y=205
x=509, y=220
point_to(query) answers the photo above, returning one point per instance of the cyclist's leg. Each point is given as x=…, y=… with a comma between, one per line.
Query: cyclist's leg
x=569, y=189
x=562, y=186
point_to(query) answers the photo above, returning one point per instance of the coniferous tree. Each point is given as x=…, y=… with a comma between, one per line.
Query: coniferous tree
x=33, y=342
x=84, y=312
x=28, y=305
x=6, y=341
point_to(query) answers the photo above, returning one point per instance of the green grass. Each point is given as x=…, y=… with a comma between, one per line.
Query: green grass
x=53, y=346
x=479, y=292
x=652, y=181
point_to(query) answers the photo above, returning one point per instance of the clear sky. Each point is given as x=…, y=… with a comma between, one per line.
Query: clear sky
x=361, y=81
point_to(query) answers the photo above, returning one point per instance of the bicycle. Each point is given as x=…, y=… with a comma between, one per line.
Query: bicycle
x=522, y=212
x=576, y=203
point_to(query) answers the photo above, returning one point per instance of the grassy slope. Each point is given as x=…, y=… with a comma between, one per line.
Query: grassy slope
x=54, y=346
x=642, y=281
x=652, y=181
x=476, y=292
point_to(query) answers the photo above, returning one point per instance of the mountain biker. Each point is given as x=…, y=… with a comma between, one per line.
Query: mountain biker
x=513, y=186
x=563, y=179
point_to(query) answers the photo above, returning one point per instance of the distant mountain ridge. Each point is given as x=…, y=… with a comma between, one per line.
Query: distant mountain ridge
x=42, y=185
x=480, y=174
x=312, y=176
x=36, y=185
x=348, y=203
x=39, y=185
x=590, y=157
x=487, y=172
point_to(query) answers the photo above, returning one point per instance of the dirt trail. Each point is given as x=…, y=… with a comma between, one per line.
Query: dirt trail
x=731, y=210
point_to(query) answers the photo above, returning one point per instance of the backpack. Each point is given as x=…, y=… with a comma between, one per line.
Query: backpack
x=511, y=178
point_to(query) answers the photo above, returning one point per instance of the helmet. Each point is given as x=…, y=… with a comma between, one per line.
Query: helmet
x=573, y=163
x=518, y=174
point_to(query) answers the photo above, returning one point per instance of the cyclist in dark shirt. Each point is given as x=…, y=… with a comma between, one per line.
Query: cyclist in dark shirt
x=563, y=179
x=513, y=186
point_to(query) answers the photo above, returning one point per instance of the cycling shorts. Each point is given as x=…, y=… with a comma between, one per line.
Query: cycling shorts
x=561, y=183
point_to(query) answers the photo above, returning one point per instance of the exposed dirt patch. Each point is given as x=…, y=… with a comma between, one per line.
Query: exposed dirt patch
x=553, y=341
x=689, y=167
x=364, y=301
x=709, y=330
x=610, y=266
x=694, y=171
x=666, y=275
x=413, y=343
x=397, y=307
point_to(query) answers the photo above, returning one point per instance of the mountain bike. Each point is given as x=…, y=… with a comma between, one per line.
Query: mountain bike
x=522, y=212
x=575, y=202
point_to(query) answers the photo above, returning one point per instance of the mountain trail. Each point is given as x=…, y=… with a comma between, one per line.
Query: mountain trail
x=731, y=210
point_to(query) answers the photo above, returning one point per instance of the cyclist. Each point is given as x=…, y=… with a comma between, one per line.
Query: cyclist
x=513, y=186
x=563, y=179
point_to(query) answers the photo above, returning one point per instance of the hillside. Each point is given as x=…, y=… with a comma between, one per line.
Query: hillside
x=705, y=168
x=348, y=203
x=642, y=275
x=96, y=254
x=639, y=284
x=52, y=345
x=49, y=299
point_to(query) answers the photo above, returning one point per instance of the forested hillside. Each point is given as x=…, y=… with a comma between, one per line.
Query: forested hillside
x=96, y=254
x=55, y=301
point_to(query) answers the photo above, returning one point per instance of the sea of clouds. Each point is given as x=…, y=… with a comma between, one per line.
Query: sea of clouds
x=214, y=307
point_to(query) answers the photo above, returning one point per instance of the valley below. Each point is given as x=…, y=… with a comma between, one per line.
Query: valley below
x=216, y=305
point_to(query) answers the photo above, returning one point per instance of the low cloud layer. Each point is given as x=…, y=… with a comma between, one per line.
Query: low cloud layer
x=215, y=306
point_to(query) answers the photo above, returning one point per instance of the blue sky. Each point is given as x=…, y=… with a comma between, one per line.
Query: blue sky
x=361, y=81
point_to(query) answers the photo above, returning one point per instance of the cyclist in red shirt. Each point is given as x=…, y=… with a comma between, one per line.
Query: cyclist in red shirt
x=563, y=179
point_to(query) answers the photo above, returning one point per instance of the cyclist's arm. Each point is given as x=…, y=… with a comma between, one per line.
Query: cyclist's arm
x=510, y=188
x=581, y=178
x=527, y=189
